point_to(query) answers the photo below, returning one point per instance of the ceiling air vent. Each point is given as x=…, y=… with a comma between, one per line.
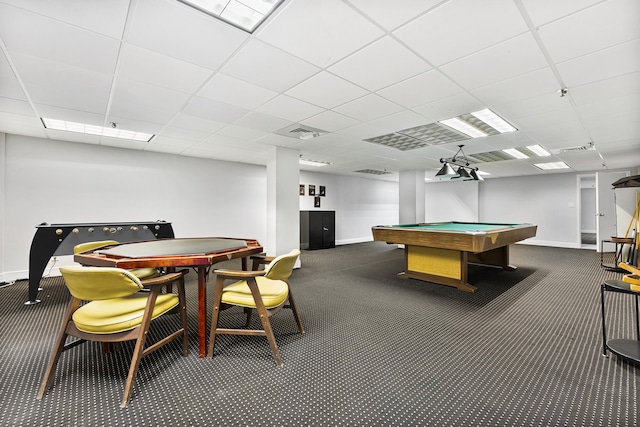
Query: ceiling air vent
x=589, y=147
x=373, y=172
x=303, y=132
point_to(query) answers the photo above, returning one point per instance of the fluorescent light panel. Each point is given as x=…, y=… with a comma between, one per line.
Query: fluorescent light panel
x=313, y=163
x=493, y=120
x=95, y=130
x=515, y=153
x=552, y=165
x=244, y=14
x=463, y=127
x=537, y=149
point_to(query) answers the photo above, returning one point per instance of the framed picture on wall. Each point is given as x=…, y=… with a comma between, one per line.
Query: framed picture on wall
x=316, y=202
x=312, y=190
x=302, y=189
x=322, y=191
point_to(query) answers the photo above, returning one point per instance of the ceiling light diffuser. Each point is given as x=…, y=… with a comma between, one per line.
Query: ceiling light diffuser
x=493, y=120
x=552, y=165
x=465, y=128
x=244, y=14
x=537, y=149
x=313, y=163
x=515, y=153
x=113, y=131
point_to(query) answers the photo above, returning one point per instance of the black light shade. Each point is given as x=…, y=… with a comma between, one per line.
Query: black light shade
x=475, y=176
x=446, y=171
x=462, y=172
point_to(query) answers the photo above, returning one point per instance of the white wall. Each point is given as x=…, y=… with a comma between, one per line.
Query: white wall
x=63, y=182
x=546, y=200
x=451, y=201
x=359, y=203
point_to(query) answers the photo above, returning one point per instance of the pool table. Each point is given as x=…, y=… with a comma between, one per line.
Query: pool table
x=440, y=252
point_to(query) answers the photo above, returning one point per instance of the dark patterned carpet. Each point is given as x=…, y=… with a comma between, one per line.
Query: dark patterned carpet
x=525, y=350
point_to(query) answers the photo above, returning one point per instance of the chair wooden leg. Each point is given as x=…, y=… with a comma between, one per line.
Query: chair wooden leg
x=215, y=315
x=138, y=352
x=292, y=306
x=264, y=319
x=58, y=348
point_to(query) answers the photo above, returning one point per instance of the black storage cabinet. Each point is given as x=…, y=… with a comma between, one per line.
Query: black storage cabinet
x=317, y=229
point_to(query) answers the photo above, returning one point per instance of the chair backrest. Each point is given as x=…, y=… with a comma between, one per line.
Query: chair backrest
x=99, y=283
x=87, y=246
x=282, y=266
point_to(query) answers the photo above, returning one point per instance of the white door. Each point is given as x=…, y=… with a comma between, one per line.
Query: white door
x=606, y=205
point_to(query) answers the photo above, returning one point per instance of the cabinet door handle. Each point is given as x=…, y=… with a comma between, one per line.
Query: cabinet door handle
x=325, y=229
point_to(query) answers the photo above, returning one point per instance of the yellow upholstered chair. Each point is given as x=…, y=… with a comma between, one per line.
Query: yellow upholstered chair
x=106, y=306
x=140, y=273
x=267, y=291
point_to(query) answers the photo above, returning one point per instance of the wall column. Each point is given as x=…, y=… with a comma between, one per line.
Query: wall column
x=411, y=195
x=283, y=204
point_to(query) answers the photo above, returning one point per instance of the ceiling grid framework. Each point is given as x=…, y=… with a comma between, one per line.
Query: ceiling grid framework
x=565, y=74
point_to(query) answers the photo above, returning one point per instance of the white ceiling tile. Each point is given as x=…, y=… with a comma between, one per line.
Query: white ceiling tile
x=421, y=89
x=134, y=125
x=458, y=29
x=391, y=17
x=604, y=64
x=170, y=141
x=213, y=110
x=326, y=90
x=10, y=88
x=73, y=136
x=398, y=121
x=70, y=115
x=57, y=41
x=145, y=102
x=176, y=30
x=544, y=11
x=365, y=67
x=517, y=88
x=606, y=89
x=601, y=26
x=241, y=132
x=186, y=121
x=263, y=65
x=262, y=122
x=236, y=92
x=546, y=102
x=184, y=134
x=157, y=69
x=511, y=58
x=51, y=82
x=452, y=106
x=289, y=108
x=362, y=131
x=5, y=68
x=368, y=108
x=15, y=106
x=21, y=125
x=330, y=121
x=103, y=17
x=320, y=32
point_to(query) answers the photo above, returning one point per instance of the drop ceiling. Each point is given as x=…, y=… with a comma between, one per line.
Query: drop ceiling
x=352, y=70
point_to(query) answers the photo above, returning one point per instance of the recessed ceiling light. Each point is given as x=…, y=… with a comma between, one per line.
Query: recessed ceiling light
x=313, y=163
x=244, y=14
x=552, y=165
x=112, y=131
x=463, y=127
x=538, y=150
x=515, y=153
x=493, y=120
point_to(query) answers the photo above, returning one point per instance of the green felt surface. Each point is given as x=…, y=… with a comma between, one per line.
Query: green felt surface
x=457, y=226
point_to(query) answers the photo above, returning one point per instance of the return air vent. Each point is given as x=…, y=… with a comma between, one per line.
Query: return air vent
x=303, y=132
x=373, y=172
x=589, y=147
